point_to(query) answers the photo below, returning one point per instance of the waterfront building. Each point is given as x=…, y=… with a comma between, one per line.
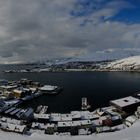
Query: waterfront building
x=20, y=93
x=8, y=94
x=128, y=104
x=8, y=87
x=42, y=117
x=25, y=82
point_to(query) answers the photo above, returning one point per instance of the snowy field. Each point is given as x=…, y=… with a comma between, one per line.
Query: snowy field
x=132, y=133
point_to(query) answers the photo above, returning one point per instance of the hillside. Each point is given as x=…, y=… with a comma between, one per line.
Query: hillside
x=126, y=64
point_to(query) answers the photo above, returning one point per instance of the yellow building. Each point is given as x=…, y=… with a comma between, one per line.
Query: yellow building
x=18, y=93
x=8, y=94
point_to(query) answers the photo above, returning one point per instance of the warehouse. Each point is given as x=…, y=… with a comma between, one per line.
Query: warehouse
x=128, y=104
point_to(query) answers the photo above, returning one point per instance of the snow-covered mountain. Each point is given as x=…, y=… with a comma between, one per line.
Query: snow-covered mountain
x=126, y=64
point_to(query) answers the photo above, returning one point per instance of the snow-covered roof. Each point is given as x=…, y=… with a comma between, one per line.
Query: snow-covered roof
x=66, y=117
x=97, y=122
x=8, y=86
x=75, y=114
x=74, y=123
x=35, y=124
x=41, y=116
x=125, y=101
x=110, y=110
x=60, y=117
x=13, y=127
x=103, y=129
x=17, y=91
x=131, y=119
x=48, y=125
x=10, y=120
x=39, y=125
x=42, y=125
x=64, y=124
x=85, y=122
x=85, y=115
x=83, y=132
x=33, y=88
x=55, y=117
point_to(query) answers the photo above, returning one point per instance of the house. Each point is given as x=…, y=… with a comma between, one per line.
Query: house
x=35, y=84
x=129, y=121
x=57, y=117
x=8, y=94
x=63, y=127
x=40, y=126
x=13, y=127
x=3, y=82
x=73, y=126
x=101, y=129
x=25, y=82
x=137, y=113
x=11, y=120
x=128, y=104
x=50, y=129
x=42, y=117
x=8, y=87
x=86, y=115
x=20, y=93
x=76, y=115
x=84, y=132
x=66, y=117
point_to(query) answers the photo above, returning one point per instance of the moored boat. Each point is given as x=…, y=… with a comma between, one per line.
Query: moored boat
x=50, y=90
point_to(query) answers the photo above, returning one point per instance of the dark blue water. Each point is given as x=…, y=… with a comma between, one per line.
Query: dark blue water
x=98, y=87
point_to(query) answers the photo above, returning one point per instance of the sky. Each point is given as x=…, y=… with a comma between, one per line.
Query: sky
x=36, y=30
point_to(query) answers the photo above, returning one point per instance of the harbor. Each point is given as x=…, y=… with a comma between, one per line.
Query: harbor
x=120, y=114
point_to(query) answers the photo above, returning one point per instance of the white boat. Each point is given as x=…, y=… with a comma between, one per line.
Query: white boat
x=51, y=90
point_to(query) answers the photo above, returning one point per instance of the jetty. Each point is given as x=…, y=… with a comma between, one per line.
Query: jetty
x=42, y=109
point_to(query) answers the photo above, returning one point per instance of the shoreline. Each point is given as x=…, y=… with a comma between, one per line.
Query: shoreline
x=69, y=70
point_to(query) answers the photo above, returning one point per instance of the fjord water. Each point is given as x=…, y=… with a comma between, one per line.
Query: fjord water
x=98, y=87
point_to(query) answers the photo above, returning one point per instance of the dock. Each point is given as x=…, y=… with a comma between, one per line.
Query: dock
x=42, y=109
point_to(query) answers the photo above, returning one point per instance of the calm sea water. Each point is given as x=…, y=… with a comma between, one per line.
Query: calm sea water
x=98, y=87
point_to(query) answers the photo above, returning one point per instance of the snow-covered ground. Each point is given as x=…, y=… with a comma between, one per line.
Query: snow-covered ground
x=132, y=133
x=130, y=63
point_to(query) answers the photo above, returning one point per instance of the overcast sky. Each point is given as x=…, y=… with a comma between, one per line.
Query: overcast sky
x=32, y=30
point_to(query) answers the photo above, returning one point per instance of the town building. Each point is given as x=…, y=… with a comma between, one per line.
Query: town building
x=128, y=104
